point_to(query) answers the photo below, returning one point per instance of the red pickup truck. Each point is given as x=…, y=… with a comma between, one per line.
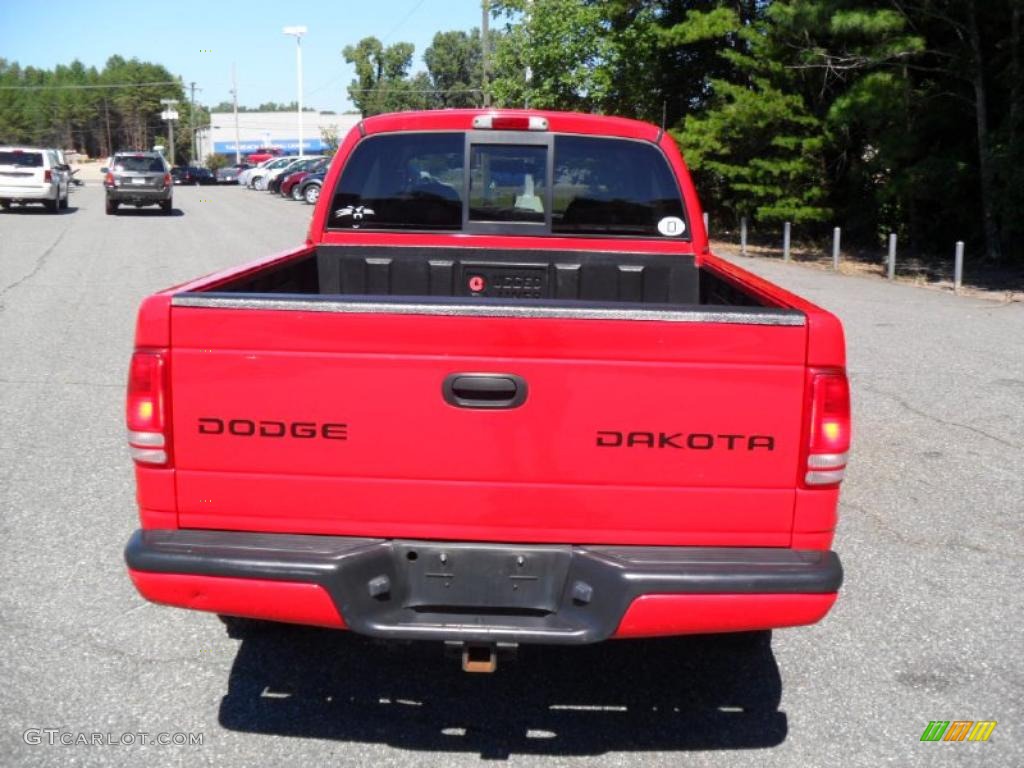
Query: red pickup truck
x=503, y=394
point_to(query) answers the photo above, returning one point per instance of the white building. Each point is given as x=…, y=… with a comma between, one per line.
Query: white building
x=270, y=129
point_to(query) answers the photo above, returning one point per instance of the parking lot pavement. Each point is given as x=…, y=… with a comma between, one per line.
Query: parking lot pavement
x=927, y=626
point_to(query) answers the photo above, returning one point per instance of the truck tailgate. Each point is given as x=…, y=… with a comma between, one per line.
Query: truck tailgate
x=632, y=432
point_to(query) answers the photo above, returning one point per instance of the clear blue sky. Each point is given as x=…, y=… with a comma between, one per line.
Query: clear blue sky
x=45, y=33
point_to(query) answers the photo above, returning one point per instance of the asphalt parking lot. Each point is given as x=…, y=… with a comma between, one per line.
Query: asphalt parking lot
x=928, y=626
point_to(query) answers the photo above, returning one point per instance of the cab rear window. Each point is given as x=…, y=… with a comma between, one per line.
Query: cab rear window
x=560, y=185
x=402, y=181
x=21, y=159
x=614, y=187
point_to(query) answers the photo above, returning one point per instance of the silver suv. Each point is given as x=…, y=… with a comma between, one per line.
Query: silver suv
x=30, y=175
x=138, y=178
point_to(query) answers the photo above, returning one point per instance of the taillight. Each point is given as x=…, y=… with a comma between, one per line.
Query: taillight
x=147, y=406
x=47, y=176
x=109, y=180
x=830, y=428
x=167, y=179
x=510, y=122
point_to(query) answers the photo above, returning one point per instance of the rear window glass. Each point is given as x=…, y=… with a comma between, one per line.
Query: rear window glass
x=591, y=186
x=507, y=183
x=22, y=159
x=402, y=181
x=142, y=164
x=611, y=186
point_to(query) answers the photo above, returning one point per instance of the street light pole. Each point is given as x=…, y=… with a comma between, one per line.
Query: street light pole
x=297, y=33
x=234, y=101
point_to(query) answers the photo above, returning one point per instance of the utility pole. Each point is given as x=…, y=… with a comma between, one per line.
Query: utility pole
x=192, y=120
x=485, y=49
x=234, y=99
x=170, y=114
x=529, y=70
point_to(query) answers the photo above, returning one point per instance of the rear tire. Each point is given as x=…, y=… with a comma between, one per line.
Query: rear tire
x=111, y=207
x=297, y=193
x=312, y=193
x=65, y=200
x=5, y=204
x=52, y=205
x=167, y=207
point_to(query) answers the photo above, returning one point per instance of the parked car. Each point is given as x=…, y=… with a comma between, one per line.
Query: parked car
x=264, y=153
x=261, y=174
x=309, y=188
x=230, y=174
x=192, y=174
x=533, y=411
x=139, y=179
x=290, y=182
x=245, y=176
x=33, y=175
x=276, y=177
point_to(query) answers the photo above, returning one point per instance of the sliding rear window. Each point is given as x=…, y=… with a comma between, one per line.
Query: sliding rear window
x=554, y=184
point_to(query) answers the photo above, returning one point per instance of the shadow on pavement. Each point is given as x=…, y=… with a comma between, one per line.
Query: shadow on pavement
x=147, y=211
x=36, y=210
x=709, y=692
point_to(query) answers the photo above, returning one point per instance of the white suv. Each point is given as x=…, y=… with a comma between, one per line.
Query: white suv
x=261, y=174
x=32, y=175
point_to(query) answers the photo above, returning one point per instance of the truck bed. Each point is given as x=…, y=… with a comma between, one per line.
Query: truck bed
x=573, y=280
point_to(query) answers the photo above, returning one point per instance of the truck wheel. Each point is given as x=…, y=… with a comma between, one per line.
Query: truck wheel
x=312, y=193
x=52, y=205
x=111, y=207
x=65, y=200
x=167, y=207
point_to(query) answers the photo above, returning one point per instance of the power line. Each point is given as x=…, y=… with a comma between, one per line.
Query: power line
x=84, y=87
x=405, y=18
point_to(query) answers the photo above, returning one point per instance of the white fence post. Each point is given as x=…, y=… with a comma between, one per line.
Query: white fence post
x=892, y=256
x=836, y=237
x=958, y=266
x=743, y=236
x=785, y=241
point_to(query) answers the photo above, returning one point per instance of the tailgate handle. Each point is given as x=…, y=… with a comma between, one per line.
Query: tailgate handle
x=484, y=390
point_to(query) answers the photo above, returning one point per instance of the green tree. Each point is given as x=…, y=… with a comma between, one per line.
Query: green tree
x=551, y=55
x=455, y=67
x=330, y=138
x=809, y=107
x=382, y=83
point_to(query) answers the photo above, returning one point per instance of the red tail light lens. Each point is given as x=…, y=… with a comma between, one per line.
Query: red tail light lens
x=146, y=414
x=109, y=180
x=47, y=176
x=830, y=428
x=167, y=179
